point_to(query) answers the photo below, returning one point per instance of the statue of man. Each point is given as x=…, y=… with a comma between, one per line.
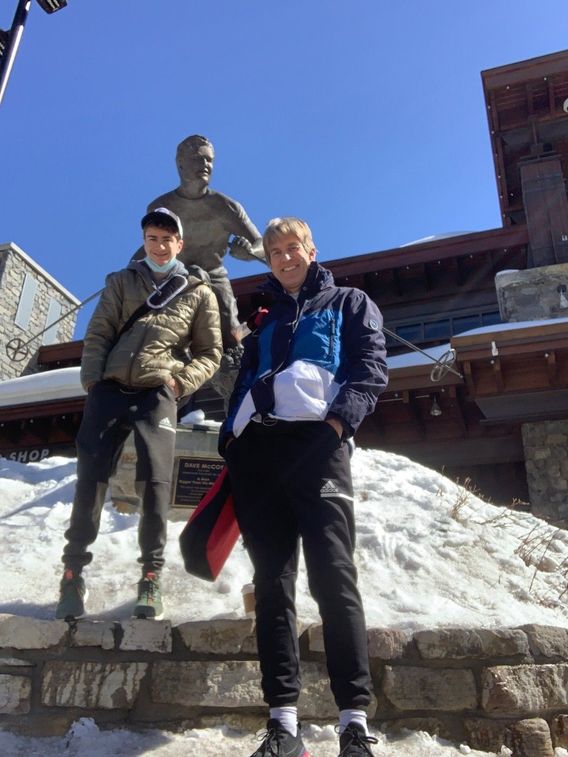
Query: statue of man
x=211, y=222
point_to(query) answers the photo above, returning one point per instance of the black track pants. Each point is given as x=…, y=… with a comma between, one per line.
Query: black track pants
x=111, y=412
x=293, y=480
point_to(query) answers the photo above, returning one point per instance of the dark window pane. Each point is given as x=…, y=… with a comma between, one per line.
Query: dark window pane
x=412, y=332
x=490, y=319
x=437, y=330
x=465, y=323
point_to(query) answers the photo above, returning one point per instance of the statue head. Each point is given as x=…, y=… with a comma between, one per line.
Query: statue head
x=194, y=160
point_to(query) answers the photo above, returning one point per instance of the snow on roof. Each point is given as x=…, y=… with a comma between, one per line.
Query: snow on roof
x=62, y=383
x=435, y=237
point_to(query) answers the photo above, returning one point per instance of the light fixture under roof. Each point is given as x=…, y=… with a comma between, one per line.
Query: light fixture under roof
x=435, y=410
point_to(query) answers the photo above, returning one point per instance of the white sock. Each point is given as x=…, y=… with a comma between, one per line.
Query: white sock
x=352, y=716
x=287, y=717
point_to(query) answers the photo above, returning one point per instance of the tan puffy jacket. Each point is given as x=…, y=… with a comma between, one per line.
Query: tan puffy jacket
x=155, y=348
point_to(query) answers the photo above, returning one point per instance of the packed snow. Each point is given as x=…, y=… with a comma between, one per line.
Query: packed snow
x=430, y=554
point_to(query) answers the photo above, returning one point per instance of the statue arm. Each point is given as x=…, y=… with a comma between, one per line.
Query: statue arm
x=247, y=241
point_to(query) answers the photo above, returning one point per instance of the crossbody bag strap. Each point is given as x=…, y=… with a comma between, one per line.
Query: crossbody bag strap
x=157, y=300
x=140, y=311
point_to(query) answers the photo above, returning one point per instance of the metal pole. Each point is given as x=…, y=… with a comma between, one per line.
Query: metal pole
x=443, y=364
x=17, y=349
x=14, y=38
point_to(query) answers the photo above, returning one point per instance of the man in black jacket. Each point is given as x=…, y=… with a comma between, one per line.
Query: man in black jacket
x=310, y=373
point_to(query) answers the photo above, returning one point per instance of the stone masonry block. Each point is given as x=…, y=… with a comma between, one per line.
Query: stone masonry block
x=486, y=734
x=315, y=638
x=524, y=689
x=146, y=636
x=559, y=731
x=218, y=636
x=424, y=689
x=547, y=641
x=207, y=684
x=462, y=643
x=29, y=633
x=15, y=695
x=93, y=633
x=384, y=644
x=316, y=700
x=92, y=685
x=388, y=644
x=531, y=738
x=234, y=684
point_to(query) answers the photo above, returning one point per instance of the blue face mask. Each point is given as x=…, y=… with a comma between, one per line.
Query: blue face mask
x=160, y=268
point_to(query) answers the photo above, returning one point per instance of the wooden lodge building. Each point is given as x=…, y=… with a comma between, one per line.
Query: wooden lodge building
x=503, y=421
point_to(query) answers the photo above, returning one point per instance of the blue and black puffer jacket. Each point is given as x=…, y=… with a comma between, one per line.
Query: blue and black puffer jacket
x=320, y=356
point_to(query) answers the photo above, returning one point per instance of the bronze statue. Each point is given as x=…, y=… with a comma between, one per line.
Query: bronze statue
x=212, y=222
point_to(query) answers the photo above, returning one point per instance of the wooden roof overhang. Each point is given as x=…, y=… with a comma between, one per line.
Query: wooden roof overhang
x=478, y=253
x=525, y=104
x=51, y=424
x=511, y=376
x=517, y=374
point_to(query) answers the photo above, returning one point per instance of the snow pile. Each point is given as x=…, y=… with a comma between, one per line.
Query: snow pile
x=429, y=553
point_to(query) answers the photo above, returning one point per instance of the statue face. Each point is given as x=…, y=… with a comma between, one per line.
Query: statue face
x=196, y=165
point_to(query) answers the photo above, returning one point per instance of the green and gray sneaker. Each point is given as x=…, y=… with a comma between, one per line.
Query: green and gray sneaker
x=72, y=596
x=149, y=603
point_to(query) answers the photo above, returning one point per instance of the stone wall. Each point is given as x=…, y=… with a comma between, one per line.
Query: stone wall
x=546, y=461
x=483, y=687
x=533, y=295
x=14, y=265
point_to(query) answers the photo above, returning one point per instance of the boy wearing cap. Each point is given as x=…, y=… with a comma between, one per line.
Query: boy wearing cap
x=154, y=337
x=311, y=371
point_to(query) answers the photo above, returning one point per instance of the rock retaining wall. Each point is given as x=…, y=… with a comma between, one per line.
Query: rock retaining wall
x=483, y=687
x=546, y=461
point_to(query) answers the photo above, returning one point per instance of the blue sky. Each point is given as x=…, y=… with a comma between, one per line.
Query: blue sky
x=366, y=118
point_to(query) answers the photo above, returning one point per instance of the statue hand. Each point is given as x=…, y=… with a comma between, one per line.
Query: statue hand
x=241, y=249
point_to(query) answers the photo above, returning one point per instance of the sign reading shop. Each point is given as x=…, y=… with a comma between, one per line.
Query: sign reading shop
x=35, y=454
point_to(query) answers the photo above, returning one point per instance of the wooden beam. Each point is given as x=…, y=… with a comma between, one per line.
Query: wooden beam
x=533, y=68
x=457, y=404
x=414, y=414
x=551, y=367
x=497, y=374
x=468, y=375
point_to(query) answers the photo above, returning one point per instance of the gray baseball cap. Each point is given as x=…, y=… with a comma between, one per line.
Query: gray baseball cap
x=159, y=216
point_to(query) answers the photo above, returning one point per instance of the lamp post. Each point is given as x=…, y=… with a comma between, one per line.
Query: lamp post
x=10, y=41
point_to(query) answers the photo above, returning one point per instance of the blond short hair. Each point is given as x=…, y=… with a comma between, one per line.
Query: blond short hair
x=279, y=227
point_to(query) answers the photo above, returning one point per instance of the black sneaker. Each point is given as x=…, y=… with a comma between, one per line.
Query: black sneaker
x=149, y=604
x=72, y=596
x=277, y=742
x=353, y=742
